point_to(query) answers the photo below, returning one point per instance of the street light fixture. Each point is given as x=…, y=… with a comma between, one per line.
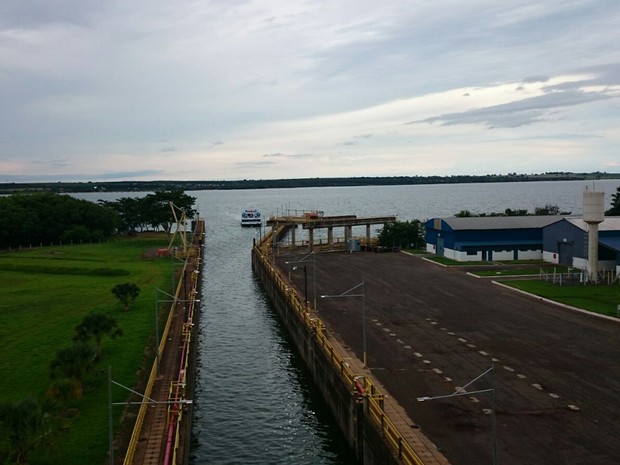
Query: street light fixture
x=305, y=284
x=145, y=400
x=462, y=392
x=157, y=302
x=313, y=261
x=363, y=296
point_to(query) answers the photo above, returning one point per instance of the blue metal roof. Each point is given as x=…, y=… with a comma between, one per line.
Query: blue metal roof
x=499, y=242
x=611, y=242
x=498, y=222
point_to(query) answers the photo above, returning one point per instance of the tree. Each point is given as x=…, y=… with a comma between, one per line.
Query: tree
x=549, y=209
x=152, y=210
x=67, y=370
x=402, y=234
x=30, y=219
x=94, y=327
x=160, y=213
x=615, y=204
x=24, y=426
x=126, y=293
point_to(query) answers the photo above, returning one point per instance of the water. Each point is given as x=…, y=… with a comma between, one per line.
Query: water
x=254, y=402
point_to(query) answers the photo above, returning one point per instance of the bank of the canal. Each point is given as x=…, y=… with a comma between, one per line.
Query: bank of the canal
x=377, y=431
x=432, y=329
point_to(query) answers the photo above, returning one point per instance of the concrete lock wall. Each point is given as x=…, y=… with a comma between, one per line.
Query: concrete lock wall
x=347, y=406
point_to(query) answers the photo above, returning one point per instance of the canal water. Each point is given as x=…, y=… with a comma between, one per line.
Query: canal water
x=254, y=402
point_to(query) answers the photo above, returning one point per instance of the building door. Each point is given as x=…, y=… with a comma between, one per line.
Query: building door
x=565, y=252
x=439, y=246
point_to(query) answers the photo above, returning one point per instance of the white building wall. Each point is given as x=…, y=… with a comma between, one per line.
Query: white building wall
x=551, y=257
x=503, y=255
x=464, y=257
x=530, y=254
x=449, y=253
x=579, y=263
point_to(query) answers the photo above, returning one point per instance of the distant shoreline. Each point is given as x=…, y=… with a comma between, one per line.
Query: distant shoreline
x=143, y=186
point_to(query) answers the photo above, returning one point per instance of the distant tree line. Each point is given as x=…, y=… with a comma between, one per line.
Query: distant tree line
x=152, y=186
x=42, y=218
x=548, y=209
x=32, y=219
x=154, y=211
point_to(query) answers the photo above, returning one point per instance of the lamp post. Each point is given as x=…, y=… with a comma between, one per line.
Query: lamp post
x=313, y=261
x=145, y=400
x=363, y=296
x=157, y=302
x=305, y=283
x=461, y=392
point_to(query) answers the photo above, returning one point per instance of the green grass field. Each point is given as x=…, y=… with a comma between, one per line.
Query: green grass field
x=603, y=299
x=45, y=293
x=521, y=271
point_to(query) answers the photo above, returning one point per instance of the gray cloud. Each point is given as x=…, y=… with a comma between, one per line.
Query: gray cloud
x=91, y=80
x=533, y=79
x=291, y=156
x=522, y=112
x=254, y=164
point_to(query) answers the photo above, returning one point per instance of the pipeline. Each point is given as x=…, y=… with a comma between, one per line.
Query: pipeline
x=177, y=388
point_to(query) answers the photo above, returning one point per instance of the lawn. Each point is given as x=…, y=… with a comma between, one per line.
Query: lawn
x=603, y=299
x=45, y=293
x=526, y=271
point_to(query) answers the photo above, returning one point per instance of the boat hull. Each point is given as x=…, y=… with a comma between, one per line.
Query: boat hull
x=251, y=218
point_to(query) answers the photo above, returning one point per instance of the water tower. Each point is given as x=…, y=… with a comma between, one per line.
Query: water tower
x=593, y=214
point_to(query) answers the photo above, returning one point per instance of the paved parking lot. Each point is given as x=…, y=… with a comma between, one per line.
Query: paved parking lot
x=431, y=329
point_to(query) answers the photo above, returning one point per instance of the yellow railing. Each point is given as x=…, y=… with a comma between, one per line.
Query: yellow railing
x=372, y=393
x=193, y=252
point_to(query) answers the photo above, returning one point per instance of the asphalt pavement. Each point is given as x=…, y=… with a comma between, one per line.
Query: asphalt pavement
x=554, y=374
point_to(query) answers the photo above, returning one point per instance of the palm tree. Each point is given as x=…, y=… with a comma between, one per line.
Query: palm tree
x=67, y=370
x=96, y=326
x=615, y=204
x=24, y=426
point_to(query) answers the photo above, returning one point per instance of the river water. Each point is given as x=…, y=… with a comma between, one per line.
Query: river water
x=254, y=402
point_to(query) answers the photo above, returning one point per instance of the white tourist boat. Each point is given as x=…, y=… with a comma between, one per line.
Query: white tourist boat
x=251, y=218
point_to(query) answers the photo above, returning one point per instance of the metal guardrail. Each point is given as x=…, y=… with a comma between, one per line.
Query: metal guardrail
x=373, y=395
x=177, y=388
x=135, y=436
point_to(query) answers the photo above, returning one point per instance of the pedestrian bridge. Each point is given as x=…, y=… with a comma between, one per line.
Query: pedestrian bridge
x=313, y=220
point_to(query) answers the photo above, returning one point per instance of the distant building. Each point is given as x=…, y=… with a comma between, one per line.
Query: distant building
x=487, y=238
x=566, y=243
x=555, y=239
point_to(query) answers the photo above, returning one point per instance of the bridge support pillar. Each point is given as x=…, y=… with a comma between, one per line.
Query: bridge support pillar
x=330, y=235
x=348, y=233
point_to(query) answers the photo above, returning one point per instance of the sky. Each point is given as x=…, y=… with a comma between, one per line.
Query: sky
x=114, y=90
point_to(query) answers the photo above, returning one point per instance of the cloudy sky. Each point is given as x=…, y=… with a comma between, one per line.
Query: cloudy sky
x=266, y=89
